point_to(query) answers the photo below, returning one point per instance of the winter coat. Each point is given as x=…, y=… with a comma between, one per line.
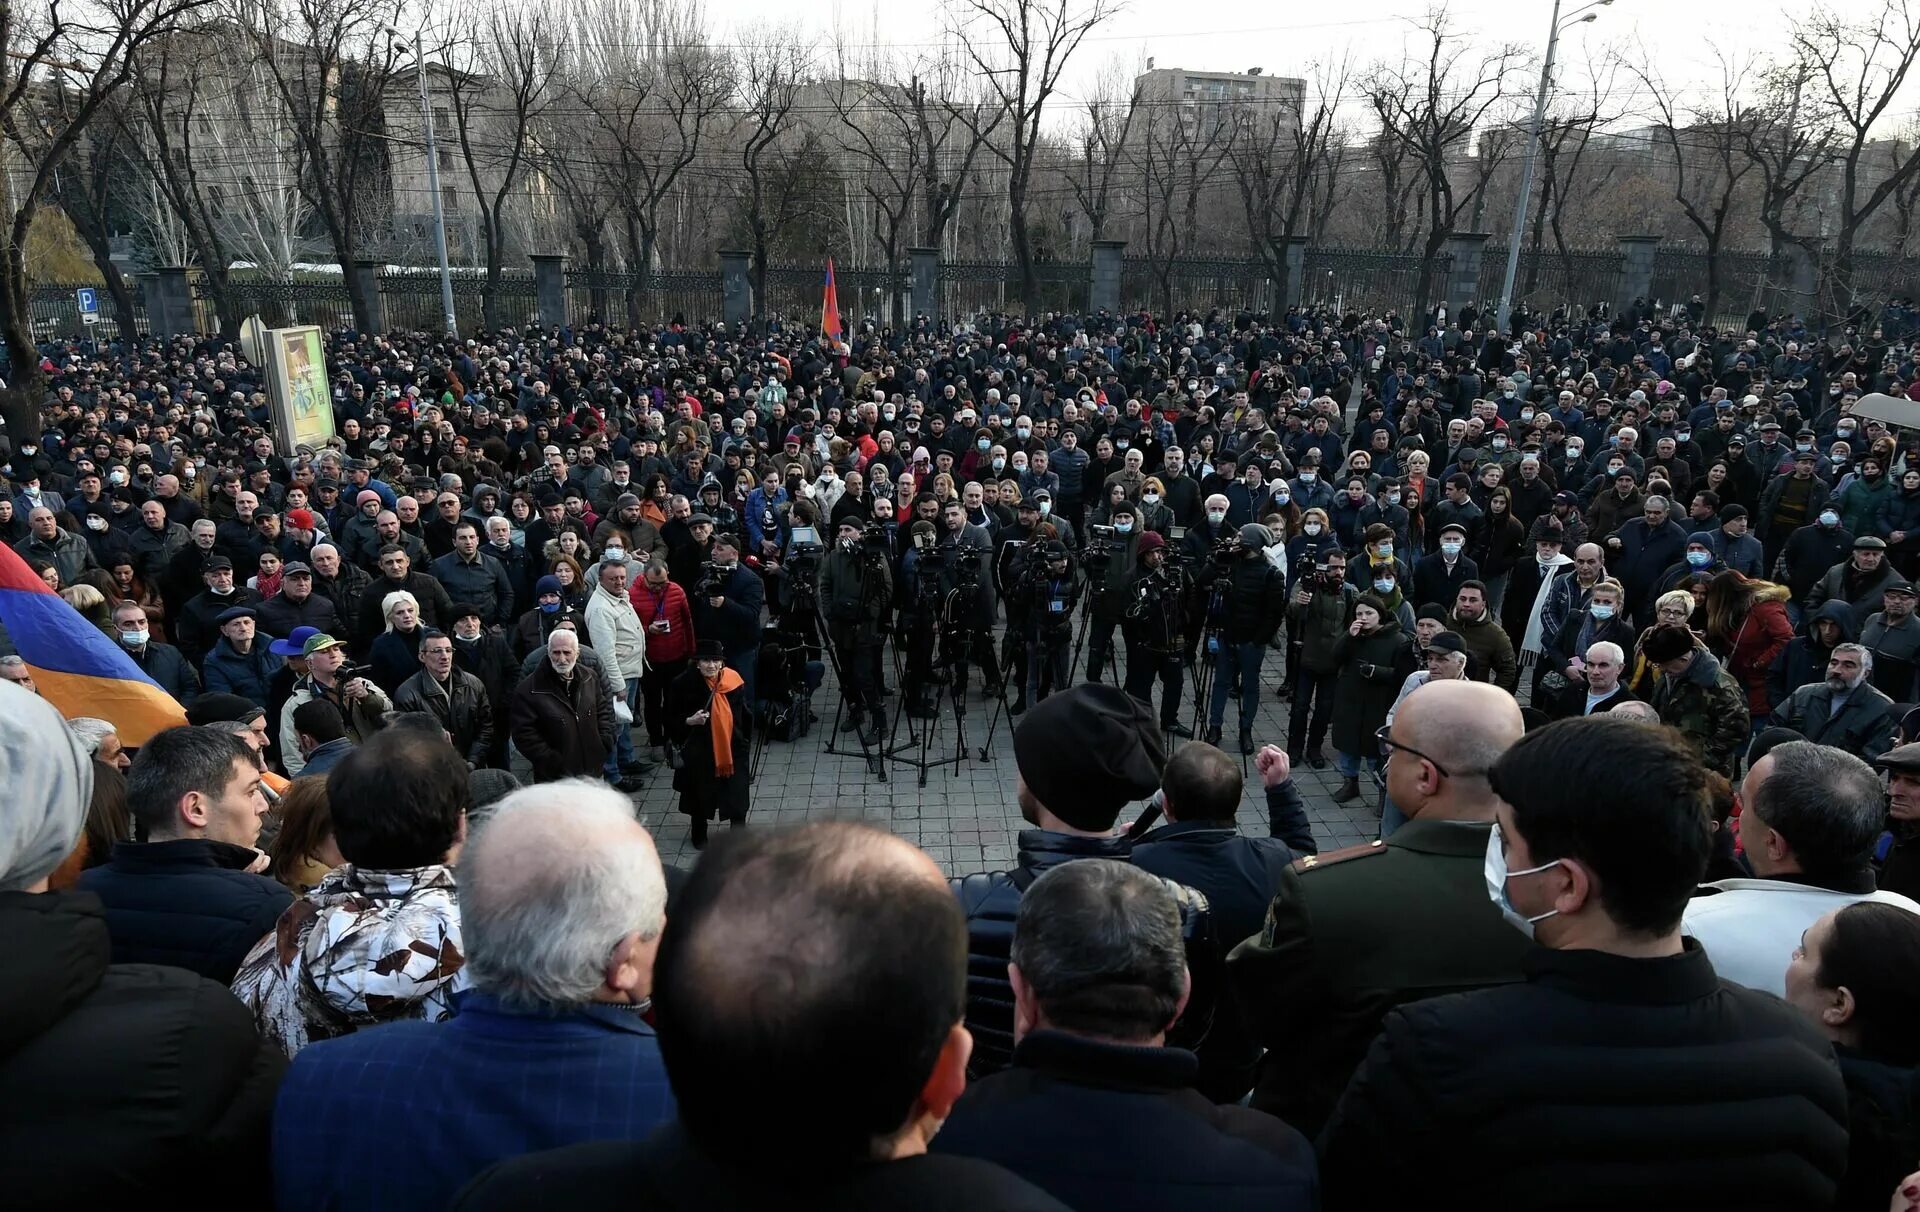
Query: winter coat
x=736, y=624
x=1452, y=1082
x=1759, y=639
x=168, y=666
x=188, y=902
x=1368, y=683
x=1809, y=552
x=670, y=606
x=1318, y=624
x=362, y=948
x=1256, y=600
x=1435, y=584
x=618, y=636
x=436, y=608
x=1864, y=727
x=1069, y=1099
x=394, y=656
x=363, y=718
x=1866, y=592
x=564, y=729
x=1490, y=649
x=1804, y=659
x=1860, y=502
x=279, y=615
x=132, y=1083
x=484, y=582
x=247, y=675
x=1817, y=500
x=702, y=792
x=462, y=707
x=1709, y=707
x=1643, y=554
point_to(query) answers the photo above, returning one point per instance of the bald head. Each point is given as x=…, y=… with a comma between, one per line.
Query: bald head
x=1461, y=728
x=562, y=898
x=773, y=979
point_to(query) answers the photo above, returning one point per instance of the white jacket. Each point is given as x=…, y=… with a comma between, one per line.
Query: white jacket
x=1750, y=927
x=618, y=637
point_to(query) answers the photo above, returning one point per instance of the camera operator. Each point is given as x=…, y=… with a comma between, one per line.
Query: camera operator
x=968, y=582
x=1155, y=627
x=1319, y=613
x=1256, y=599
x=1197, y=549
x=1042, y=596
x=727, y=604
x=1110, y=563
x=855, y=586
x=920, y=599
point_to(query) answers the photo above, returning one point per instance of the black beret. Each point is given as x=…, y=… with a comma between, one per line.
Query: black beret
x=1087, y=752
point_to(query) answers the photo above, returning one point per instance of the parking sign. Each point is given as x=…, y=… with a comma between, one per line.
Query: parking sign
x=89, y=302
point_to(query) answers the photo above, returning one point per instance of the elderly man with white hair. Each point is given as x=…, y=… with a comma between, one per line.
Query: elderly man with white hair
x=94, y=1048
x=562, y=903
x=562, y=717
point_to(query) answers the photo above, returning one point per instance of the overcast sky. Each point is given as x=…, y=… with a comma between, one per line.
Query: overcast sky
x=1234, y=35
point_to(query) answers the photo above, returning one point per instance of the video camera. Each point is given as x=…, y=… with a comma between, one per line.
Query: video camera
x=713, y=580
x=1100, y=544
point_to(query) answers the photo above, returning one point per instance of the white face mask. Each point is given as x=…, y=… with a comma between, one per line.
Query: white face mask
x=1497, y=876
x=1311, y=528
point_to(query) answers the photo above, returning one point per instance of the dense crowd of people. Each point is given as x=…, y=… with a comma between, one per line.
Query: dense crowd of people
x=1610, y=620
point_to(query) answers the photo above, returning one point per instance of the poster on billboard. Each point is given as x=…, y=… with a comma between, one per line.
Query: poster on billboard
x=297, y=381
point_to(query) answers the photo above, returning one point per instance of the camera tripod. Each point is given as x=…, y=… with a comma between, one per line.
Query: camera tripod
x=1083, y=626
x=874, y=752
x=1213, y=647
x=951, y=649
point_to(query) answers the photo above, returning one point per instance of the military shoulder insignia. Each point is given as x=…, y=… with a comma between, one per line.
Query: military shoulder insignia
x=1314, y=862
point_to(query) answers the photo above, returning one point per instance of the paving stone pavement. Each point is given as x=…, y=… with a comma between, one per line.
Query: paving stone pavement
x=966, y=817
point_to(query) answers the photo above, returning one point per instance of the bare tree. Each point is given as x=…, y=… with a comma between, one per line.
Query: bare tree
x=1791, y=141
x=333, y=65
x=774, y=157
x=499, y=75
x=957, y=117
x=1858, y=67
x=880, y=128
x=1020, y=48
x=1178, y=154
x=653, y=91
x=1707, y=162
x=92, y=189
x=1100, y=132
x=1282, y=162
x=60, y=66
x=1583, y=109
x=1432, y=103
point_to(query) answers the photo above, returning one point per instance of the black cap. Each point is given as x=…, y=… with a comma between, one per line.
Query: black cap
x=1447, y=641
x=217, y=562
x=1088, y=751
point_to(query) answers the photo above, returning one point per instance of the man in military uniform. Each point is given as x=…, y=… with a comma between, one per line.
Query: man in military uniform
x=1356, y=932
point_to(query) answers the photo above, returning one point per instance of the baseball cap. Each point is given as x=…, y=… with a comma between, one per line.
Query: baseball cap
x=319, y=641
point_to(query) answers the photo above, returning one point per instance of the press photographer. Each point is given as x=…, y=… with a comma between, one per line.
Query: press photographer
x=1155, y=625
x=1043, y=597
x=726, y=606
x=1110, y=563
x=855, y=586
x=1255, y=597
x=972, y=603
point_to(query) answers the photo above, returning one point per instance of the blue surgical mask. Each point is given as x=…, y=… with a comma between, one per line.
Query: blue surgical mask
x=1699, y=559
x=1452, y=549
x=1497, y=875
x=1281, y=498
x=550, y=608
x=134, y=639
x=1829, y=518
x=1123, y=528
x=1383, y=584
x=1600, y=611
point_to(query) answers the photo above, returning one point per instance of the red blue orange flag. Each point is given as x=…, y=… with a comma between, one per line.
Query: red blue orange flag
x=830, y=307
x=75, y=666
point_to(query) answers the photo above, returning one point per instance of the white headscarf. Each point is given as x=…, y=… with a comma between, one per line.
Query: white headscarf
x=53, y=776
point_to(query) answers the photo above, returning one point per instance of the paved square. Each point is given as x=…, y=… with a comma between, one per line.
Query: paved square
x=966, y=816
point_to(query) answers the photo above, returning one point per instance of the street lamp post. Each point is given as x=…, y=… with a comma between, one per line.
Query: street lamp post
x=1579, y=16
x=433, y=181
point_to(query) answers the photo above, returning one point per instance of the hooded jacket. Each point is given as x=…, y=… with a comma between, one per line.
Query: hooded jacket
x=365, y=947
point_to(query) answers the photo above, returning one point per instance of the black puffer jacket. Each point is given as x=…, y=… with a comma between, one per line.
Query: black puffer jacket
x=1599, y=1082
x=188, y=902
x=991, y=902
x=128, y=1084
x=1256, y=601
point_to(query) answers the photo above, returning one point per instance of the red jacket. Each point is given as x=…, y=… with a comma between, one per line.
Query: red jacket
x=1759, y=639
x=670, y=605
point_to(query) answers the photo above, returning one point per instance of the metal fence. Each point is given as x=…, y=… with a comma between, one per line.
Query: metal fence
x=55, y=312
x=1545, y=280
x=1350, y=278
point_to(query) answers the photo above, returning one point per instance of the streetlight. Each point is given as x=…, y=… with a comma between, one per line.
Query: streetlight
x=433, y=179
x=1579, y=16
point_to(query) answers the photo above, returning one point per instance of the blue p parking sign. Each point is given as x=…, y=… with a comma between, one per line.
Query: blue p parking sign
x=89, y=303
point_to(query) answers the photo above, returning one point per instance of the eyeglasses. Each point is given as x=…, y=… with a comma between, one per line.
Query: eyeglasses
x=1386, y=741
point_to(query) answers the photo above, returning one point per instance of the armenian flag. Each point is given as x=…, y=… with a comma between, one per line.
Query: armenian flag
x=76, y=667
x=830, y=307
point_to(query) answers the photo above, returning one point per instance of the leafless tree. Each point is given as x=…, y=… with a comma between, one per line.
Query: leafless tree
x=61, y=64
x=1020, y=48
x=1707, y=163
x=1100, y=131
x=1178, y=154
x=1585, y=106
x=91, y=189
x=1857, y=68
x=333, y=64
x=653, y=92
x=1432, y=102
x=500, y=77
x=957, y=117
x=1282, y=159
x=775, y=158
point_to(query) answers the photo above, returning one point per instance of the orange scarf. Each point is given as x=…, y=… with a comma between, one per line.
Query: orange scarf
x=720, y=720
